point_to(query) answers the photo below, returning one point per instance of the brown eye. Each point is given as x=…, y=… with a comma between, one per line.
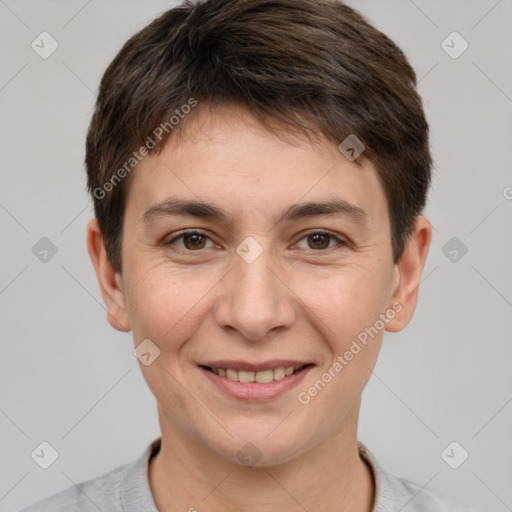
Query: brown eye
x=194, y=241
x=319, y=241
x=190, y=241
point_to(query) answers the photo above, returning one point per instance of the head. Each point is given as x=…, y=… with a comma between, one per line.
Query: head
x=224, y=119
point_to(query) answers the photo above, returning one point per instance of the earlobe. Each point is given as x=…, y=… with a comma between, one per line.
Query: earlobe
x=407, y=274
x=111, y=285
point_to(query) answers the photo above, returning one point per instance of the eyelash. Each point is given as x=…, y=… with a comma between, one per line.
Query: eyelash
x=182, y=234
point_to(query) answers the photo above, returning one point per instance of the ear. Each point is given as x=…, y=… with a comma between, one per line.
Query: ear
x=407, y=274
x=111, y=283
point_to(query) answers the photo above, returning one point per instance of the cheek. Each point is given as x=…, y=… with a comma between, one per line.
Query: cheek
x=344, y=312
x=346, y=303
x=166, y=305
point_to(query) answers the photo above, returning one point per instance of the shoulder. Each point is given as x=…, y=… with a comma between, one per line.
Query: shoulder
x=101, y=493
x=420, y=499
x=393, y=493
x=122, y=489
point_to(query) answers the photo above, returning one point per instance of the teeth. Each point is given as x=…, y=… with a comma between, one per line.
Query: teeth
x=246, y=376
x=264, y=376
x=232, y=374
x=279, y=373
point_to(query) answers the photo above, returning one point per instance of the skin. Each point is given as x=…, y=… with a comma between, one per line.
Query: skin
x=303, y=298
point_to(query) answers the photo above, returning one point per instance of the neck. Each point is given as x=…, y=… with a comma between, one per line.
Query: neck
x=185, y=475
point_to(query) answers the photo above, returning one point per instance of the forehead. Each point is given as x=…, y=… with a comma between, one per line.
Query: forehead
x=228, y=158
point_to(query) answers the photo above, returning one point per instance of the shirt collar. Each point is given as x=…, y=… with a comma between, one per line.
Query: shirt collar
x=388, y=490
x=135, y=489
x=136, y=493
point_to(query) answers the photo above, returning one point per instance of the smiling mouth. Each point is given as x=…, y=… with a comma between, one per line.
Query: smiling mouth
x=261, y=377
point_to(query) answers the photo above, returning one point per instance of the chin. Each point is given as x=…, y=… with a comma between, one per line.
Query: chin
x=259, y=449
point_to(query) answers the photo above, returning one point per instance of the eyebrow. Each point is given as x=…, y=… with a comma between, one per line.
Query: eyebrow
x=188, y=208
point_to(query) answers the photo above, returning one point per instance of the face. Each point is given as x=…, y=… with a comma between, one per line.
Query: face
x=246, y=256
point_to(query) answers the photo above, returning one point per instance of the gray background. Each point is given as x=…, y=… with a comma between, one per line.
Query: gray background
x=68, y=378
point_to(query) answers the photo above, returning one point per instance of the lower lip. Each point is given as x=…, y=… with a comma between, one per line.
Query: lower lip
x=256, y=391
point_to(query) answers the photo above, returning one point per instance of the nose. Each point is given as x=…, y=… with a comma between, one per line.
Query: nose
x=254, y=299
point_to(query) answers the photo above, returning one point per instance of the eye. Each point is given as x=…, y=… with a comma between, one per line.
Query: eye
x=197, y=240
x=192, y=240
x=318, y=240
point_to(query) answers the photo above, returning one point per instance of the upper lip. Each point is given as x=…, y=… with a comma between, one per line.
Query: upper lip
x=255, y=367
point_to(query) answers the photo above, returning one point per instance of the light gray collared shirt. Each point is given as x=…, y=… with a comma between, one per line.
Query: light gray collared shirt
x=126, y=489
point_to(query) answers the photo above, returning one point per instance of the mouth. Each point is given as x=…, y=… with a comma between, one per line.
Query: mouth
x=255, y=382
x=261, y=376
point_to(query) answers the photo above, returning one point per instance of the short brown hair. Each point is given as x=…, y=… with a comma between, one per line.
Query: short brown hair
x=314, y=66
